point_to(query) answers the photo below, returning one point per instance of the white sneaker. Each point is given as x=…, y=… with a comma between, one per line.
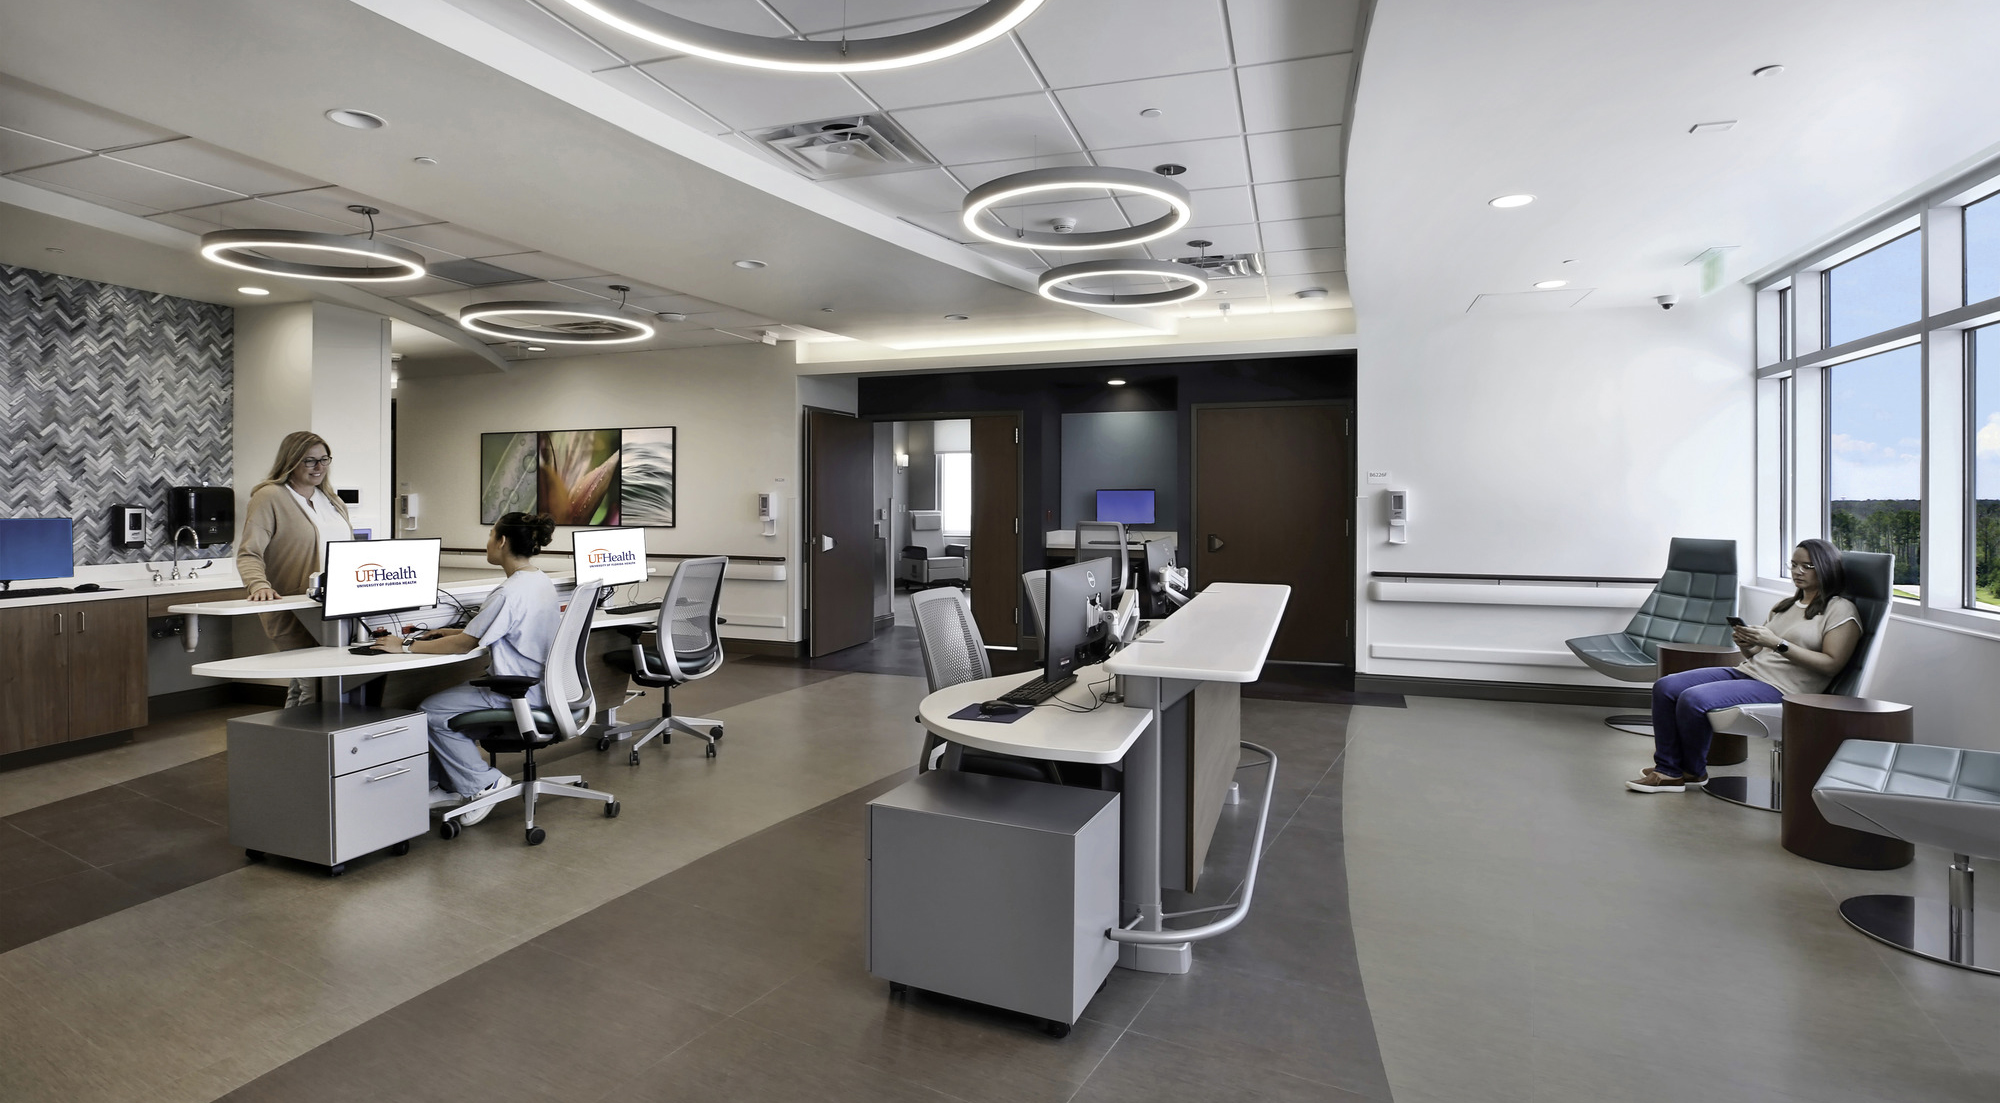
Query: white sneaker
x=478, y=814
x=441, y=797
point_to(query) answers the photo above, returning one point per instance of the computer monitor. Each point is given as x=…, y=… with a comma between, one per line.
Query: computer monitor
x=35, y=547
x=1104, y=538
x=613, y=557
x=1127, y=507
x=1159, y=557
x=1072, y=622
x=379, y=576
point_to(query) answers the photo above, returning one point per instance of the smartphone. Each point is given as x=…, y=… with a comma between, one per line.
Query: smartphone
x=1736, y=622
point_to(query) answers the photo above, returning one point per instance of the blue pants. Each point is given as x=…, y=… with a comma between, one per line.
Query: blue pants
x=1681, y=704
x=457, y=763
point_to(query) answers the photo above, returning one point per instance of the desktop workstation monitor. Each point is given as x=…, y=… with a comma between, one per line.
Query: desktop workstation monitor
x=35, y=547
x=379, y=576
x=612, y=557
x=1075, y=615
x=1127, y=507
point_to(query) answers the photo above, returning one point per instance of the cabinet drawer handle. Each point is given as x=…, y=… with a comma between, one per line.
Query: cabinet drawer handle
x=390, y=774
x=58, y=624
x=385, y=731
x=82, y=621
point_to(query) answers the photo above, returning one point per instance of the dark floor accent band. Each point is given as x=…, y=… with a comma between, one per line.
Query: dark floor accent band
x=1542, y=693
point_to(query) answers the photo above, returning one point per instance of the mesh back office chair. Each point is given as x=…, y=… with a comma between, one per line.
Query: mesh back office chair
x=567, y=705
x=1690, y=604
x=1870, y=583
x=686, y=646
x=955, y=653
x=1105, y=538
x=1037, y=585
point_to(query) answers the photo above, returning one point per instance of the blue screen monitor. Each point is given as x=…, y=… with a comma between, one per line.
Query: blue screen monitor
x=35, y=547
x=1131, y=507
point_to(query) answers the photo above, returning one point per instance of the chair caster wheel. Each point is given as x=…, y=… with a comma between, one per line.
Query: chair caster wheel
x=898, y=988
x=400, y=849
x=611, y=810
x=603, y=745
x=336, y=870
x=583, y=784
x=718, y=731
x=254, y=855
x=634, y=760
x=448, y=829
x=1055, y=1028
x=711, y=750
x=536, y=835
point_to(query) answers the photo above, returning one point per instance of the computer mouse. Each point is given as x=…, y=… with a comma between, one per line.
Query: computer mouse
x=995, y=708
x=87, y=588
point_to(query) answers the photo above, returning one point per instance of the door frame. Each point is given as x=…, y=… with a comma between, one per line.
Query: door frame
x=1348, y=510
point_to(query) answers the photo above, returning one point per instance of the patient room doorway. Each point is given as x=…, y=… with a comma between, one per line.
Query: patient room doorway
x=953, y=506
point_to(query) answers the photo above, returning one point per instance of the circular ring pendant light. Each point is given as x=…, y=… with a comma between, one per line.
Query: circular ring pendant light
x=1053, y=283
x=554, y=323
x=249, y=250
x=984, y=23
x=1021, y=186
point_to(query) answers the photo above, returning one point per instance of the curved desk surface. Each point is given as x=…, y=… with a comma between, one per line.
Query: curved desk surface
x=1049, y=732
x=1221, y=635
x=324, y=662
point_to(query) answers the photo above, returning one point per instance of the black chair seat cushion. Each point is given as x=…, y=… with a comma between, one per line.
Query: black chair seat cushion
x=494, y=728
x=621, y=660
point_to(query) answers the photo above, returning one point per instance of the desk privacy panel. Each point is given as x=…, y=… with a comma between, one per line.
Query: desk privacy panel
x=108, y=396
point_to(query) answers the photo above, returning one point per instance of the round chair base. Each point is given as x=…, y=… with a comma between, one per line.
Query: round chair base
x=1750, y=792
x=1631, y=723
x=1920, y=927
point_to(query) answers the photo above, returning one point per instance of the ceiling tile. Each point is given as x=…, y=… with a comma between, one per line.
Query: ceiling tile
x=451, y=302
x=1073, y=43
x=976, y=174
x=1093, y=212
x=1276, y=30
x=262, y=214
x=1304, y=233
x=942, y=223
x=32, y=109
x=21, y=151
x=746, y=99
x=1241, y=238
x=1304, y=260
x=428, y=285
x=1294, y=94
x=729, y=15
x=728, y=319
x=531, y=24
x=1295, y=154
x=898, y=192
x=432, y=254
x=1191, y=106
x=129, y=183
x=193, y=160
x=642, y=87
x=542, y=266
x=868, y=18
x=454, y=239
x=189, y=223
x=1214, y=163
x=1299, y=199
x=1222, y=206
x=332, y=204
x=996, y=69
x=600, y=286
x=674, y=304
x=92, y=197
x=1335, y=283
x=990, y=130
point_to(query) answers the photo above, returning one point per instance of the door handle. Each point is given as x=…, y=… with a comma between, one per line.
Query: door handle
x=1214, y=542
x=825, y=543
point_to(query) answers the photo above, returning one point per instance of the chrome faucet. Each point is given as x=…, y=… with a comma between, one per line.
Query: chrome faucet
x=177, y=550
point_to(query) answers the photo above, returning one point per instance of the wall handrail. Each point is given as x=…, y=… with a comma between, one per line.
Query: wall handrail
x=1485, y=577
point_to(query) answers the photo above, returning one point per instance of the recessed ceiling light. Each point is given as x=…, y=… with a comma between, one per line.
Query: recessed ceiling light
x=1505, y=201
x=359, y=120
x=252, y=291
x=752, y=264
x=1768, y=71
x=1551, y=285
x=424, y=160
x=984, y=23
x=1151, y=113
x=958, y=317
x=1114, y=382
x=1716, y=127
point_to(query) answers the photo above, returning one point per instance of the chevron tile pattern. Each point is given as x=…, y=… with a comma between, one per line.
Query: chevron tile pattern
x=108, y=396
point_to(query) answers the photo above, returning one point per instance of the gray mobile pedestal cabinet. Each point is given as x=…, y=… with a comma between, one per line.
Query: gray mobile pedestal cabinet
x=994, y=890
x=328, y=782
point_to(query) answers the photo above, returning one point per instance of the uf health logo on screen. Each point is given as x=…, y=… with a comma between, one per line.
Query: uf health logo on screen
x=605, y=557
x=371, y=575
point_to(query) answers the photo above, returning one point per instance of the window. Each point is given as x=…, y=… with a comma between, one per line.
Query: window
x=1785, y=325
x=1982, y=249
x=1874, y=453
x=1984, y=464
x=955, y=492
x=1880, y=289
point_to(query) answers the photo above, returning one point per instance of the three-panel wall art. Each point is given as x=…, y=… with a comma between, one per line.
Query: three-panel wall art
x=593, y=477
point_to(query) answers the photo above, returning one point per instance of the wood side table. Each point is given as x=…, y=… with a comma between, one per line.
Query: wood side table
x=1816, y=724
x=1676, y=658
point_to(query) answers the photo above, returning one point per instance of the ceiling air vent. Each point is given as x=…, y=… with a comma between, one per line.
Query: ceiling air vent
x=854, y=145
x=475, y=273
x=1226, y=266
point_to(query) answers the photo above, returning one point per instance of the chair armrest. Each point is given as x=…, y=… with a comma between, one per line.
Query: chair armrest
x=1759, y=720
x=514, y=688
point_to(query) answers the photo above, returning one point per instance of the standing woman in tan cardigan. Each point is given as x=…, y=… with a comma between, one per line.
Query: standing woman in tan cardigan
x=290, y=518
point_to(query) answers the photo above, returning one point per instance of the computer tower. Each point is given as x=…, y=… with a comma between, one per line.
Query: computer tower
x=209, y=510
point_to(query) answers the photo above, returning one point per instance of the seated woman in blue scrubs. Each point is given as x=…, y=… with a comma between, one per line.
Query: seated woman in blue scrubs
x=1809, y=639
x=517, y=626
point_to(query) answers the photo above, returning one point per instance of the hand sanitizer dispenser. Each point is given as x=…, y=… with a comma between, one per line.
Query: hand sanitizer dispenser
x=1399, y=516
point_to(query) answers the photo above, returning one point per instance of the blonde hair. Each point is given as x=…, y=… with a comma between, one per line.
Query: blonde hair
x=290, y=451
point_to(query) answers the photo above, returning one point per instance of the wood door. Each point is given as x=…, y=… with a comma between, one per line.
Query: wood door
x=1273, y=499
x=840, y=481
x=34, y=678
x=107, y=666
x=996, y=528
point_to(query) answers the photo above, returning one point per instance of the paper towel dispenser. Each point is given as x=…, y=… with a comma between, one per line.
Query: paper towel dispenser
x=209, y=510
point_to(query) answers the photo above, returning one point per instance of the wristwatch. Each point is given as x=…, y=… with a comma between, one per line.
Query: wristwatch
x=1783, y=647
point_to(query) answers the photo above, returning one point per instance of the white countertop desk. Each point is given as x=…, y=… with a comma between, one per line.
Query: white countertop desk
x=1222, y=635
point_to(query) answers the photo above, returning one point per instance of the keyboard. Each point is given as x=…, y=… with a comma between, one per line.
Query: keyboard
x=37, y=591
x=642, y=607
x=1037, y=691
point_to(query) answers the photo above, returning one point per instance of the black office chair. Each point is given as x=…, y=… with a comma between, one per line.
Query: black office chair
x=522, y=728
x=1692, y=603
x=688, y=620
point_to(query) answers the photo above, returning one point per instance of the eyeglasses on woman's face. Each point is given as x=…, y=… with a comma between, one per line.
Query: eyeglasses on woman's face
x=311, y=461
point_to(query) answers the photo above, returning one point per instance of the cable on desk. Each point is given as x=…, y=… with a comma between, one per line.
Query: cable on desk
x=1096, y=700
x=1242, y=907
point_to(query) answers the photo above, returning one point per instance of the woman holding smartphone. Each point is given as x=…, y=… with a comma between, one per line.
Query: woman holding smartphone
x=1808, y=640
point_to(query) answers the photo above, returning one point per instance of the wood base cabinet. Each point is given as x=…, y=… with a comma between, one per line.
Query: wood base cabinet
x=71, y=671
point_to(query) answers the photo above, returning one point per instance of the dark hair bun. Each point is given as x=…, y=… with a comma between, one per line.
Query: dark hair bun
x=526, y=534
